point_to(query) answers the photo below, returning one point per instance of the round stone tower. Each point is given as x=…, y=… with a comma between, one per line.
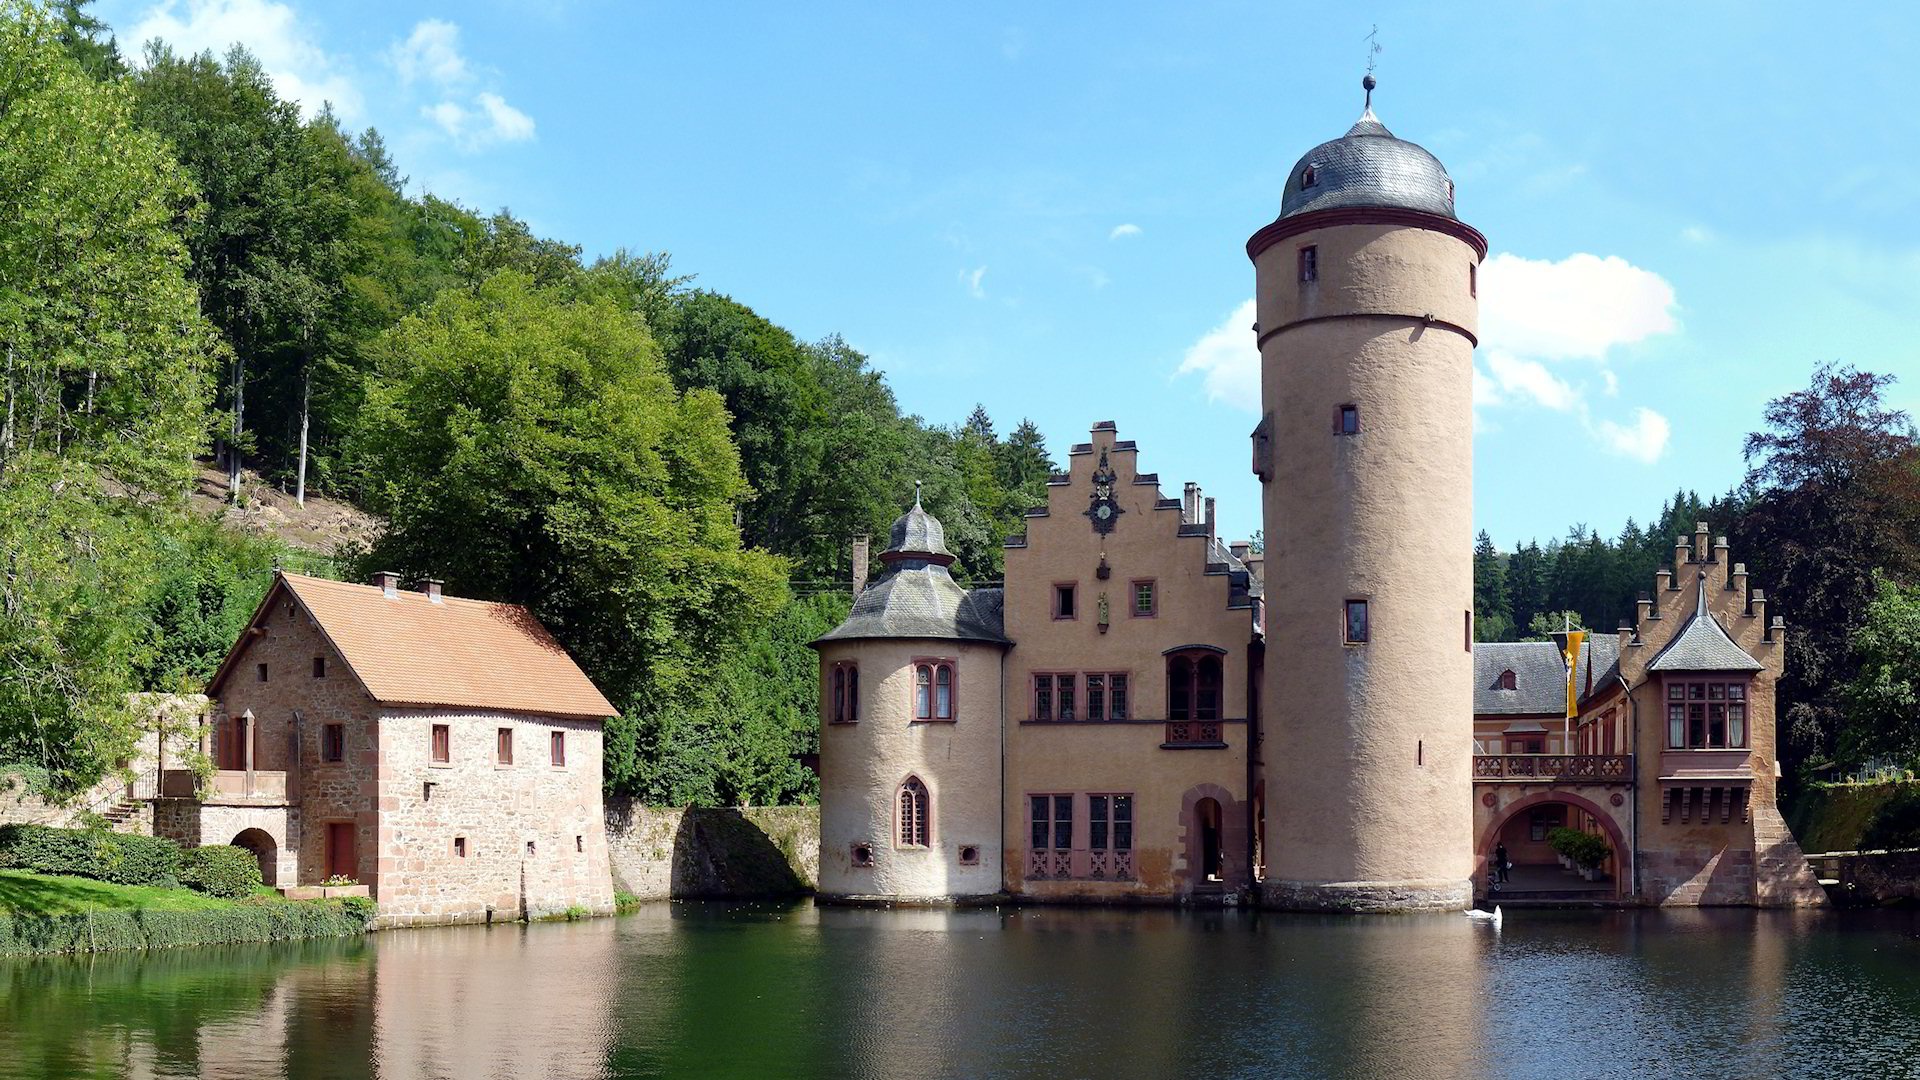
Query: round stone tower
x=1365, y=289
x=910, y=737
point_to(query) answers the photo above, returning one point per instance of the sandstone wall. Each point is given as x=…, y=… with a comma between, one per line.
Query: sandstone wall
x=665, y=853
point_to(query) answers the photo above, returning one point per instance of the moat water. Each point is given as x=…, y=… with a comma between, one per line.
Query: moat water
x=713, y=990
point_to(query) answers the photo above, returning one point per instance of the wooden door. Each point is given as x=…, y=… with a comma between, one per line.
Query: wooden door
x=342, y=859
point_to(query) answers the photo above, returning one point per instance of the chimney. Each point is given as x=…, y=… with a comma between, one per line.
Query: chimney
x=1190, y=504
x=387, y=582
x=1758, y=605
x=1645, y=606
x=1702, y=536
x=1682, y=552
x=1664, y=579
x=429, y=588
x=1240, y=548
x=1209, y=517
x=1737, y=581
x=1625, y=634
x=861, y=545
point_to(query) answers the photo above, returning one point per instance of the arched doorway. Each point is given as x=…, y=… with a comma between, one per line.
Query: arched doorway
x=264, y=850
x=1523, y=827
x=1206, y=816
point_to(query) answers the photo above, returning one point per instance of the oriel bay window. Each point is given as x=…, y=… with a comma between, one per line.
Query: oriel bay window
x=933, y=687
x=1706, y=715
x=1193, y=685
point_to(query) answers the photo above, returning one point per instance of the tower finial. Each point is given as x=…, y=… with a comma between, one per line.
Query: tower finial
x=1368, y=84
x=916, y=494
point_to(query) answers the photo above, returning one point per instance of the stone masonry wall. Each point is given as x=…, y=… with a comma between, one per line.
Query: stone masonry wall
x=534, y=833
x=663, y=853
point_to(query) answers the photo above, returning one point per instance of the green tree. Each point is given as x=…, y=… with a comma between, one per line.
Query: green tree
x=1883, y=697
x=1492, y=607
x=1527, y=582
x=106, y=394
x=528, y=447
x=81, y=35
x=1545, y=624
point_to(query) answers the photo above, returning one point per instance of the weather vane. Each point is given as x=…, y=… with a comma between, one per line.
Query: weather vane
x=1373, y=51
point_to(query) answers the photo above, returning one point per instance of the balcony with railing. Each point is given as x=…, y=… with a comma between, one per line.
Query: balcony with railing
x=227, y=787
x=1590, y=768
x=1194, y=735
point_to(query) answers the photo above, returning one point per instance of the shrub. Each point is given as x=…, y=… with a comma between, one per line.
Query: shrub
x=102, y=931
x=91, y=853
x=220, y=870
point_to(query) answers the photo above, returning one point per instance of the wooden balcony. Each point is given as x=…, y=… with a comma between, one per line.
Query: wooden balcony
x=227, y=787
x=1591, y=768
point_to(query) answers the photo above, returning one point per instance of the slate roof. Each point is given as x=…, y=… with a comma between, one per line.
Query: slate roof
x=408, y=650
x=1369, y=166
x=1539, y=679
x=1703, y=645
x=916, y=597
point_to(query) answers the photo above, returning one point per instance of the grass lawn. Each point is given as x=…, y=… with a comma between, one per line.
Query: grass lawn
x=47, y=894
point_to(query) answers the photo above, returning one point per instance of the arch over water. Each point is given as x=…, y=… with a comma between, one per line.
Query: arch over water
x=1490, y=836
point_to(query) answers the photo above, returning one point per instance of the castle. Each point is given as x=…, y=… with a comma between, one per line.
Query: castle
x=1143, y=713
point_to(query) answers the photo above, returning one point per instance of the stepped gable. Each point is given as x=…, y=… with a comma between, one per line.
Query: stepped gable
x=1703, y=645
x=410, y=648
x=915, y=595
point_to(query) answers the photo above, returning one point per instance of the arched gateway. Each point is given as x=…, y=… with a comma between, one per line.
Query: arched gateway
x=1523, y=826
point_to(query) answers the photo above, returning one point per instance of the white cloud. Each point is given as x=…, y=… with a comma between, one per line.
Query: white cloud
x=1518, y=377
x=1644, y=441
x=431, y=52
x=971, y=278
x=1122, y=231
x=301, y=71
x=431, y=55
x=1579, y=307
x=493, y=122
x=1228, y=361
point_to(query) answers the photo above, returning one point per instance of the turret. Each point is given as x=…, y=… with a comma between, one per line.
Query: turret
x=1366, y=290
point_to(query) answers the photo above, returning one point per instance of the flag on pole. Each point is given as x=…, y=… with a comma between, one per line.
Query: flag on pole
x=1574, y=640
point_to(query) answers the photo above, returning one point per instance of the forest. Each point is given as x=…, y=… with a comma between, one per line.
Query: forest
x=193, y=272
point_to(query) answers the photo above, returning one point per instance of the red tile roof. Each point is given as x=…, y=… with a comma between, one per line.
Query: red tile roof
x=407, y=649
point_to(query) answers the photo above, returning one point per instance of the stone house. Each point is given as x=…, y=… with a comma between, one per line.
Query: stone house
x=444, y=752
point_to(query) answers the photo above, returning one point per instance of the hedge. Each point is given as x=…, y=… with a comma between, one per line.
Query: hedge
x=103, y=856
x=104, y=931
x=221, y=870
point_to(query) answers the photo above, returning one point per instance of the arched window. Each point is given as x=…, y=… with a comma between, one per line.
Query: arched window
x=843, y=705
x=933, y=688
x=1194, y=681
x=914, y=813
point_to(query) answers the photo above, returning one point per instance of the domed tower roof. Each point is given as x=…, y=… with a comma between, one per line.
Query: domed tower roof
x=915, y=595
x=917, y=534
x=1368, y=166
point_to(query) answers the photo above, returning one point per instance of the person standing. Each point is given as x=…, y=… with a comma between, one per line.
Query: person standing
x=1500, y=863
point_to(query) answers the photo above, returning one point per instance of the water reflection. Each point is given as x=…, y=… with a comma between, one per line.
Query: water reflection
x=691, y=990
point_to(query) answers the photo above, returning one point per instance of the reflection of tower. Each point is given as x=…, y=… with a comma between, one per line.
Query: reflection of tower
x=910, y=744
x=1366, y=302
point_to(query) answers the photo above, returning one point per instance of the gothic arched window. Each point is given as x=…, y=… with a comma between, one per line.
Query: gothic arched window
x=915, y=813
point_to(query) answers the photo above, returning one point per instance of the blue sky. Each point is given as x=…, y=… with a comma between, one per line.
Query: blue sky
x=1043, y=208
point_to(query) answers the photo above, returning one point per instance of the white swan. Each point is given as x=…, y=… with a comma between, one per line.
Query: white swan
x=1486, y=916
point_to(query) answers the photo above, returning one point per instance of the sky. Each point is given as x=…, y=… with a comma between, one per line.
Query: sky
x=1043, y=208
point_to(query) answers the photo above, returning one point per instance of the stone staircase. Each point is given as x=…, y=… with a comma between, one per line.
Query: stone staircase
x=1782, y=877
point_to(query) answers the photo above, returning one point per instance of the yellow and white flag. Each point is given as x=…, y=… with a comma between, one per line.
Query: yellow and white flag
x=1574, y=640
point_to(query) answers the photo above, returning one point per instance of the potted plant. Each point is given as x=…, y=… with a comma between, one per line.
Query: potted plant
x=1563, y=841
x=1591, y=852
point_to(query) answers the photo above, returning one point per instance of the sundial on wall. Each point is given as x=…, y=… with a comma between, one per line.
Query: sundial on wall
x=1103, y=510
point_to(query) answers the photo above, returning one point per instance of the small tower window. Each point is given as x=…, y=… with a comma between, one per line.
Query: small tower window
x=1346, y=420
x=844, y=706
x=914, y=829
x=933, y=687
x=863, y=855
x=319, y=667
x=1309, y=177
x=1473, y=280
x=261, y=670
x=1449, y=192
x=1063, y=597
x=1357, y=628
x=1310, y=263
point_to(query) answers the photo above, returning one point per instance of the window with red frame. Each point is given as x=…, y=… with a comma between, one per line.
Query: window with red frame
x=914, y=828
x=933, y=687
x=1106, y=695
x=503, y=746
x=1144, y=600
x=1110, y=822
x=442, y=744
x=1706, y=715
x=557, y=747
x=333, y=742
x=1194, y=682
x=1052, y=822
x=844, y=704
